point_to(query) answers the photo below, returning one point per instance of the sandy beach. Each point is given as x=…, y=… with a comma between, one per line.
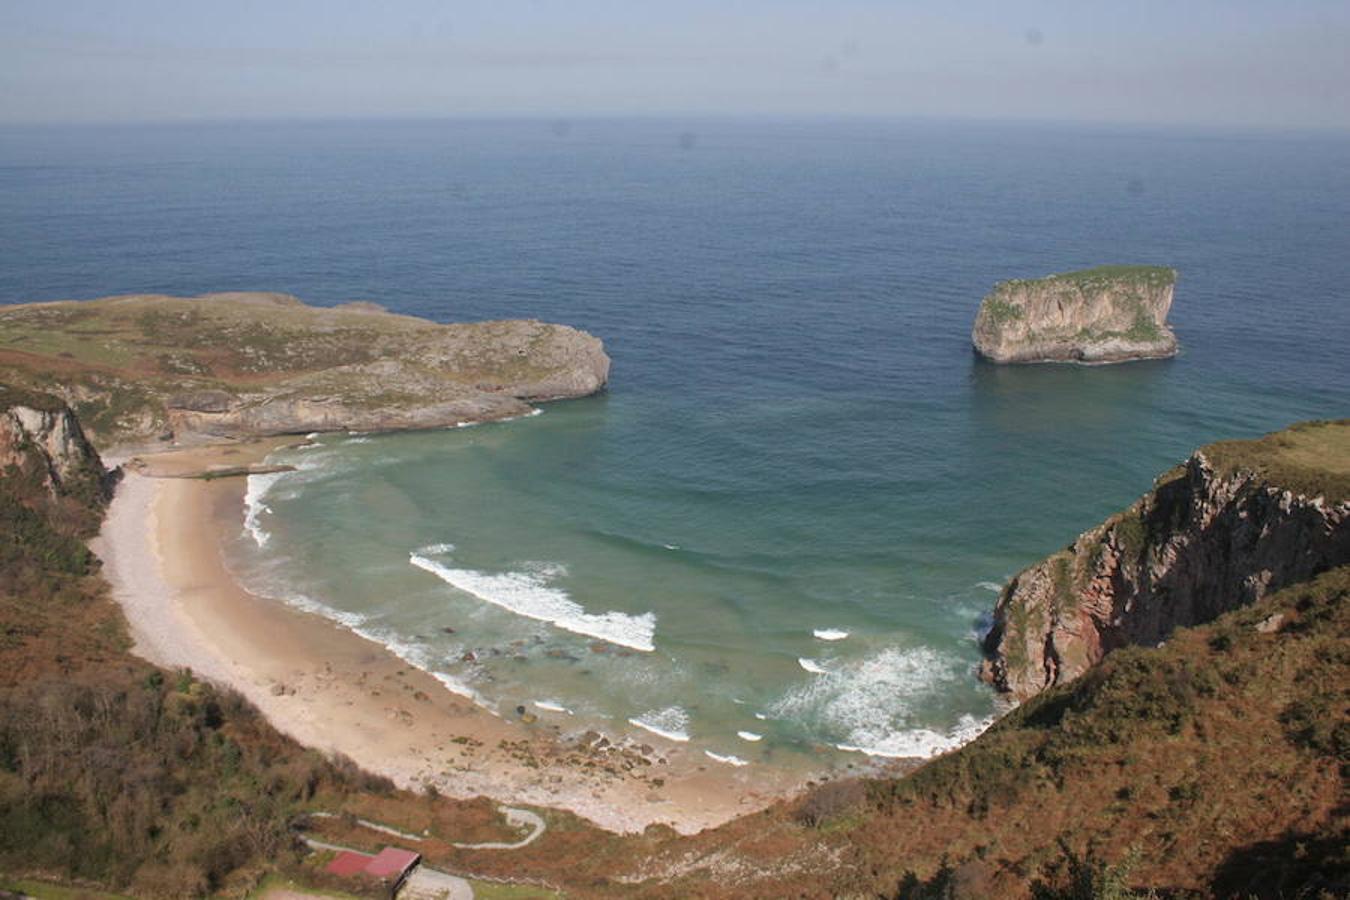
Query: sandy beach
x=332, y=689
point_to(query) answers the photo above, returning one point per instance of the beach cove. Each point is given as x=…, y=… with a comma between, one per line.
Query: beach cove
x=334, y=690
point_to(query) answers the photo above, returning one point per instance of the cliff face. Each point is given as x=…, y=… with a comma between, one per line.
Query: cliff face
x=1103, y=315
x=41, y=439
x=1236, y=521
x=242, y=365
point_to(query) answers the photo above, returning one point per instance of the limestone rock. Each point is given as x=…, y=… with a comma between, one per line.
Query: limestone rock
x=39, y=433
x=243, y=365
x=1236, y=521
x=1103, y=315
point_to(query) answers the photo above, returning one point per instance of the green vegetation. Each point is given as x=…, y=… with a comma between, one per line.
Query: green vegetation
x=1311, y=458
x=1130, y=533
x=492, y=890
x=45, y=890
x=999, y=310
x=118, y=775
x=1212, y=766
x=123, y=362
x=1102, y=276
x=1129, y=764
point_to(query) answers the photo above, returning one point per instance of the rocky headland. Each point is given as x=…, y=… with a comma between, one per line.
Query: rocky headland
x=138, y=369
x=1108, y=314
x=1237, y=520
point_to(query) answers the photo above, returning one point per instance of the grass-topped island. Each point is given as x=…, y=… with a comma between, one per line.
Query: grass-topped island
x=1105, y=314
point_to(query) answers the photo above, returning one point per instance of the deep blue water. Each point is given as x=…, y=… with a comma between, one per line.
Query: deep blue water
x=794, y=403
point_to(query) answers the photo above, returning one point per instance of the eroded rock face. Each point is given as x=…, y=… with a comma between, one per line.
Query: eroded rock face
x=1203, y=542
x=1104, y=315
x=42, y=433
x=464, y=373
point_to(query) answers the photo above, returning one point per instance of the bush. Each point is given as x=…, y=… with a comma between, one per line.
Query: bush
x=831, y=800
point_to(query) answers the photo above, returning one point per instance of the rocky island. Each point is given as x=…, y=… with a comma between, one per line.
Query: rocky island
x=1107, y=314
x=238, y=365
x=1236, y=521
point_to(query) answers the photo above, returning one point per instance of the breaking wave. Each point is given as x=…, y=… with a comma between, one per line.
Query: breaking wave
x=870, y=702
x=255, y=508
x=670, y=723
x=529, y=594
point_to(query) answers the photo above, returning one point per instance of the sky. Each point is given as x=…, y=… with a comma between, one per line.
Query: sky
x=1269, y=64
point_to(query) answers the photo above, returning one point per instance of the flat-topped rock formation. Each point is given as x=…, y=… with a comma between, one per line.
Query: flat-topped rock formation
x=139, y=368
x=1108, y=314
x=1236, y=521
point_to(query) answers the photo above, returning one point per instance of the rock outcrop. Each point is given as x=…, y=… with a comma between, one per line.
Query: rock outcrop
x=41, y=439
x=1237, y=520
x=1104, y=315
x=243, y=365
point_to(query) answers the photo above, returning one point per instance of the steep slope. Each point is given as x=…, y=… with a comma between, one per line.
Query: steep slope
x=1237, y=520
x=1102, y=315
x=241, y=365
x=1211, y=767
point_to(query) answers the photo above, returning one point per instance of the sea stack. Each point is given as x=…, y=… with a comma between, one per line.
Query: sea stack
x=1108, y=314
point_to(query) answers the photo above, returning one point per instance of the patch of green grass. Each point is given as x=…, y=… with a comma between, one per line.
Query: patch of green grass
x=492, y=890
x=1065, y=597
x=998, y=311
x=1131, y=533
x=1097, y=276
x=46, y=890
x=1310, y=458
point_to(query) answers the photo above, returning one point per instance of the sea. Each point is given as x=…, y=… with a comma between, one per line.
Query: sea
x=778, y=536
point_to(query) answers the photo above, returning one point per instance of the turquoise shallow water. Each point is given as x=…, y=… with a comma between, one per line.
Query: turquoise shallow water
x=797, y=437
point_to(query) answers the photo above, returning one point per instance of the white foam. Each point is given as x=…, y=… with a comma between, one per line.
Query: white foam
x=671, y=546
x=749, y=736
x=357, y=440
x=829, y=634
x=990, y=586
x=729, y=760
x=529, y=594
x=924, y=742
x=455, y=686
x=812, y=666
x=669, y=723
x=313, y=435
x=870, y=703
x=351, y=620
x=254, y=507
x=761, y=717
x=552, y=707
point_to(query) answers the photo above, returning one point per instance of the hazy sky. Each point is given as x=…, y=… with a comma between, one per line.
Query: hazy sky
x=1269, y=63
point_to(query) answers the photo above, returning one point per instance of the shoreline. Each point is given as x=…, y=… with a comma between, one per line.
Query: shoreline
x=334, y=690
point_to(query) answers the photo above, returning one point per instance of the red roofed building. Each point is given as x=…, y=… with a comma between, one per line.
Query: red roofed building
x=348, y=863
x=393, y=863
x=390, y=865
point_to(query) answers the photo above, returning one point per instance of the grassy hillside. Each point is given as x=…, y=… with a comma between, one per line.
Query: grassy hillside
x=1310, y=458
x=1213, y=766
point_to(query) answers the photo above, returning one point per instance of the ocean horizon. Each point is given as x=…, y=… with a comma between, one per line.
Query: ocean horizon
x=781, y=530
